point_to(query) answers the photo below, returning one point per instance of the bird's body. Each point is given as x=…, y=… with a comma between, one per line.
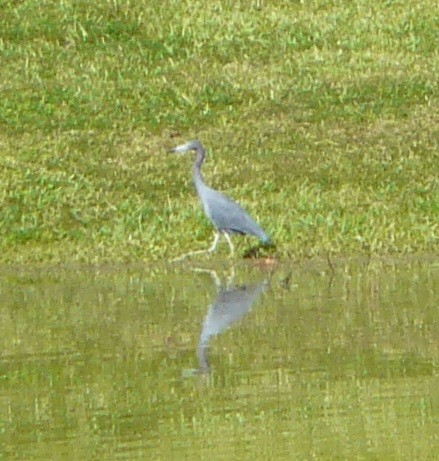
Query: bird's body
x=226, y=215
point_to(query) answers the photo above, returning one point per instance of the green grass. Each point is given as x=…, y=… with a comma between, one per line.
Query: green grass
x=320, y=117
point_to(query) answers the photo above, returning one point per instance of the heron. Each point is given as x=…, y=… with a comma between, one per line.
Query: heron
x=227, y=216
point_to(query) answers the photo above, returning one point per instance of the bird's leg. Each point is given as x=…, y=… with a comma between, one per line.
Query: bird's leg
x=230, y=278
x=215, y=242
x=212, y=273
x=191, y=253
x=229, y=241
x=197, y=252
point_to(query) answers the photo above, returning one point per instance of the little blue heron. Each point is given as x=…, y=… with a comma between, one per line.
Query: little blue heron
x=226, y=215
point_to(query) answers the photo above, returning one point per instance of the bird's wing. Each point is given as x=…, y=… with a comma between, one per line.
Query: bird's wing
x=228, y=215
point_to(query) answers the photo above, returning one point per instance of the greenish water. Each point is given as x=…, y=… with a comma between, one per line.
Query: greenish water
x=155, y=362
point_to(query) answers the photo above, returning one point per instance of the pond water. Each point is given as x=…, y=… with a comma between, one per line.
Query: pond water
x=295, y=361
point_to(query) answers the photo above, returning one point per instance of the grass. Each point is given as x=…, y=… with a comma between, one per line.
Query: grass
x=320, y=117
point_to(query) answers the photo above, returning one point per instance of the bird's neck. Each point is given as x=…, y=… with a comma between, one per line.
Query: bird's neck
x=198, y=177
x=201, y=153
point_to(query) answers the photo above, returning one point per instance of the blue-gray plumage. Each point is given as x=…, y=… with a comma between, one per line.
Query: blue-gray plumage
x=226, y=215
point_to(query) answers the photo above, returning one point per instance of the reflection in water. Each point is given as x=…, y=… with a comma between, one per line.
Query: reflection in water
x=337, y=365
x=231, y=304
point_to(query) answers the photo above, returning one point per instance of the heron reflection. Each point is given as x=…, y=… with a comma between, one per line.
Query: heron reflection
x=231, y=304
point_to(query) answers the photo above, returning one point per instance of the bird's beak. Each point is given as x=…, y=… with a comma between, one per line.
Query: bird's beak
x=180, y=149
x=175, y=150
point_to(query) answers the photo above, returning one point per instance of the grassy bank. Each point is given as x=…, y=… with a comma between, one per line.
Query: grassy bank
x=320, y=117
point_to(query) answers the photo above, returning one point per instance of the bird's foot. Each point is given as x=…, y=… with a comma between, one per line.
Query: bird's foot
x=186, y=255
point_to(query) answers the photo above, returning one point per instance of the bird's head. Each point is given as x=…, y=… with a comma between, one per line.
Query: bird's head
x=191, y=145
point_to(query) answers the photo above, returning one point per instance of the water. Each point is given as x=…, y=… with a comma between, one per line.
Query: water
x=253, y=362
